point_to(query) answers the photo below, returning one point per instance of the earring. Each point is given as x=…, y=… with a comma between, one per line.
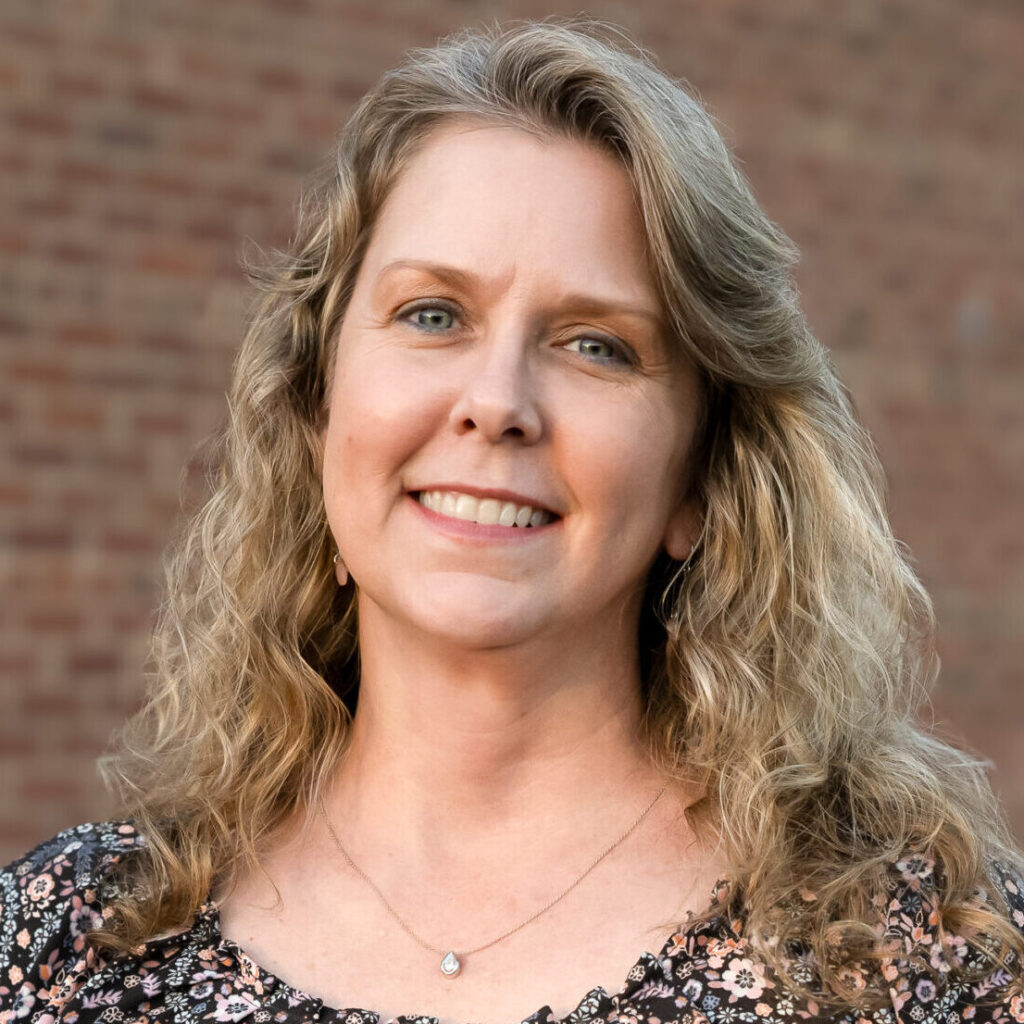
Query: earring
x=688, y=562
x=340, y=570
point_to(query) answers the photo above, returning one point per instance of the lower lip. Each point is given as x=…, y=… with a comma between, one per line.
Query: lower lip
x=462, y=529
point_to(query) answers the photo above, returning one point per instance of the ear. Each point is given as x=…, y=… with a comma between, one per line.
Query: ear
x=682, y=531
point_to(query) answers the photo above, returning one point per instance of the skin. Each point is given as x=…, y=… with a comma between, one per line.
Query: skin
x=504, y=334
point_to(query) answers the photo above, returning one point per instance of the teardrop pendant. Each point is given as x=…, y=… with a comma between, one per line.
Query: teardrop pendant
x=450, y=965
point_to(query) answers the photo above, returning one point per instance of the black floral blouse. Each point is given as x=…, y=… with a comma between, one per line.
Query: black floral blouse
x=706, y=973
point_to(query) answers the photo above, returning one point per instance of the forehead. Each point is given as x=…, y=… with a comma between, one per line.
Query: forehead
x=518, y=206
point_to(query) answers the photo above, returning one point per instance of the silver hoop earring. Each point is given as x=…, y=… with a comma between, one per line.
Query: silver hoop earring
x=688, y=562
x=340, y=570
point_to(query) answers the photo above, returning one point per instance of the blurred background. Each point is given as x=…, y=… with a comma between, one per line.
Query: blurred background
x=142, y=142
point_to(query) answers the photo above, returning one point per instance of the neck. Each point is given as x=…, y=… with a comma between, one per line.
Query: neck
x=449, y=745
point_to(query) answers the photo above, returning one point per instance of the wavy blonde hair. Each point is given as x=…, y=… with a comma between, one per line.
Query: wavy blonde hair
x=783, y=671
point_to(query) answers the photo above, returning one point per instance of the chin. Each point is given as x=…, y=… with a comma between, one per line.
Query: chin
x=479, y=624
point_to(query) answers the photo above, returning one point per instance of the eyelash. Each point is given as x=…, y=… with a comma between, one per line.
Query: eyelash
x=623, y=352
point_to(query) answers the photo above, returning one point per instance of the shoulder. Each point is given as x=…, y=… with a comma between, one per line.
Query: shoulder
x=53, y=896
x=94, y=846
x=78, y=858
x=933, y=969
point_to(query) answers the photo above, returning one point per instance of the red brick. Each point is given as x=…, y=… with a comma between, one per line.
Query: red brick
x=166, y=184
x=17, y=664
x=210, y=147
x=42, y=539
x=54, y=620
x=31, y=36
x=278, y=79
x=12, y=494
x=64, y=417
x=40, y=121
x=152, y=423
x=11, y=326
x=58, y=207
x=61, y=706
x=242, y=194
x=123, y=542
x=77, y=253
x=91, y=334
x=74, y=86
x=160, y=101
x=53, y=792
x=236, y=112
x=165, y=341
x=14, y=162
x=13, y=242
x=208, y=230
x=130, y=220
x=16, y=745
x=167, y=262
x=83, y=663
x=36, y=372
x=74, y=172
x=126, y=134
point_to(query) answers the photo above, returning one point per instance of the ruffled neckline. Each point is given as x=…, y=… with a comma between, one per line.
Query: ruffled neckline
x=221, y=958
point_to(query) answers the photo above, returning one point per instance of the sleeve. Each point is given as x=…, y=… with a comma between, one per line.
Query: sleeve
x=49, y=901
x=922, y=973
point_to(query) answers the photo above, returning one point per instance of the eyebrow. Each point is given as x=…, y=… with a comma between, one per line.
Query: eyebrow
x=589, y=305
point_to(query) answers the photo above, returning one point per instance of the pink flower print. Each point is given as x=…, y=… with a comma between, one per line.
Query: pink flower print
x=233, y=1007
x=719, y=950
x=83, y=919
x=23, y=1002
x=899, y=999
x=64, y=988
x=40, y=888
x=852, y=977
x=743, y=978
x=248, y=973
x=925, y=990
x=624, y=1015
x=913, y=868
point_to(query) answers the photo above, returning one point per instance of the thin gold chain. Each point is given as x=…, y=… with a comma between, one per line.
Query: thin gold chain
x=504, y=935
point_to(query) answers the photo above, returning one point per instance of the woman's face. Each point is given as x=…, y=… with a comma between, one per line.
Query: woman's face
x=501, y=362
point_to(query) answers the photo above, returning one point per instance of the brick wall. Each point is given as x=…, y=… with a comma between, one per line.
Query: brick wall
x=142, y=141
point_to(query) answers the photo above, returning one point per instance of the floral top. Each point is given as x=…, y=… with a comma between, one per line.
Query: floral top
x=706, y=973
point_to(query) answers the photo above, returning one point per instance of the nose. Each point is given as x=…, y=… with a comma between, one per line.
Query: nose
x=498, y=395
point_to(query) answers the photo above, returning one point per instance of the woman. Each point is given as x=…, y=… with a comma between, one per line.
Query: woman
x=546, y=590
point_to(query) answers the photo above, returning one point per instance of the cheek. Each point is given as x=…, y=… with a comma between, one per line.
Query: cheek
x=632, y=465
x=379, y=417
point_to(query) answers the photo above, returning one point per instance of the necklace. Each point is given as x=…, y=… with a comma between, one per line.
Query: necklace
x=451, y=962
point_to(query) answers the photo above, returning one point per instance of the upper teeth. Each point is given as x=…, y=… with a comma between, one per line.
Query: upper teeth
x=486, y=511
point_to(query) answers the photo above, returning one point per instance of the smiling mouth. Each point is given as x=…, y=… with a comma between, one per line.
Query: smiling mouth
x=485, y=511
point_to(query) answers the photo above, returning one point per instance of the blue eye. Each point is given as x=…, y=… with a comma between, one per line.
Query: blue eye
x=432, y=317
x=601, y=350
